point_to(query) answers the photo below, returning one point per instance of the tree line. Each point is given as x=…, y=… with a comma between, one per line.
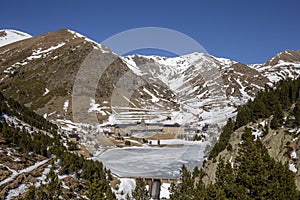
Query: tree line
x=90, y=172
x=254, y=174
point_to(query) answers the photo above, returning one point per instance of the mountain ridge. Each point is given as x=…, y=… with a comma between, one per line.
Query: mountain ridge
x=47, y=73
x=195, y=86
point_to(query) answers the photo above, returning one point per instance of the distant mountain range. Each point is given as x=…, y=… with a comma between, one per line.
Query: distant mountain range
x=193, y=89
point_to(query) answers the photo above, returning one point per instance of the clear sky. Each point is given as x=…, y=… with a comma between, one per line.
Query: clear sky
x=249, y=31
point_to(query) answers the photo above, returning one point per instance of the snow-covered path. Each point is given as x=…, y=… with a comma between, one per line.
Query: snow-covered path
x=23, y=171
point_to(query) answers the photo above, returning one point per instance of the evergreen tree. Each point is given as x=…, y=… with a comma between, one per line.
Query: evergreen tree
x=223, y=139
x=87, y=171
x=140, y=192
x=31, y=193
x=96, y=188
x=214, y=193
x=296, y=113
x=243, y=116
x=255, y=175
x=277, y=115
x=184, y=190
x=196, y=172
x=260, y=176
x=225, y=180
x=53, y=186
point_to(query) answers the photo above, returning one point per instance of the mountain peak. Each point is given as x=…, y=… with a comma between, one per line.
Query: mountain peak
x=186, y=88
x=8, y=36
x=289, y=56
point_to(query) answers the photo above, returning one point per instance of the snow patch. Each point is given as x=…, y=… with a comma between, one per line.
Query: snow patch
x=164, y=191
x=294, y=155
x=231, y=162
x=154, y=98
x=46, y=91
x=21, y=189
x=292, y=167
x=94, y=107
x=39, y=52
x=96, y=45
x=26, y=170
x=295, y=131
x=126, y=186
x=66, y=106
x=256, y=133
x=12, y=36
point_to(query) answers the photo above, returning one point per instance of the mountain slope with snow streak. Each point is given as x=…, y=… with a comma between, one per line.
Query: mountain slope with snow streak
x=206, y=89
x=190, y=89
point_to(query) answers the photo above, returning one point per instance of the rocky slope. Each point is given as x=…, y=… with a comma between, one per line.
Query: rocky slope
x=282, y=145
x=39, y=161
x=192, y=89
x=40, y=72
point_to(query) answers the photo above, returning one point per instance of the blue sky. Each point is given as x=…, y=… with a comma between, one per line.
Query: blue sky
x=246, y=31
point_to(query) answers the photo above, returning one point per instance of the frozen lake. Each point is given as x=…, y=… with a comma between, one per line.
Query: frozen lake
x=153, y=161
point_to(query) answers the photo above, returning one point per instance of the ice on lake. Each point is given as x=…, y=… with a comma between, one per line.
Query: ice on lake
x=153, y=161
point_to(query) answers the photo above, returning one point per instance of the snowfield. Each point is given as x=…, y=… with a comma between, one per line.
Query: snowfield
x=164, y=191
x=126, y=186
x=12, y=36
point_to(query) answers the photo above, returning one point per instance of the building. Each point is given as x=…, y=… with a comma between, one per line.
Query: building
x=74, y=137
x=146, y=128
x=173, y=129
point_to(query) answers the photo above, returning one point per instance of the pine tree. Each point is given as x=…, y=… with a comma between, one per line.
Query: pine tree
x=140, y=192
x=259, y=109
x=260, y=176
x=54, y=185
x=187, y=184
x=223, y=139
x=185, y=189
x=296, y=113
x=109, y=194
x=242, y=117
x=225, y=180
x=96, y=188
x=196, y=172
x=31, y=193
x=215, y=193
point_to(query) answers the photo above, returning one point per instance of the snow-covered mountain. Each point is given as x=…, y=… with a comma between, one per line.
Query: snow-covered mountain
x=10, y=36
x=206, y=89
x=191, y=89
x=283, y=65
x=47, y=74
x=194, y=81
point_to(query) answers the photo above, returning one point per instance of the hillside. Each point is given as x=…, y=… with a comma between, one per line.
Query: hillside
x=256, y=156
x=39, y=162
x=40, y=72
x=80, y=86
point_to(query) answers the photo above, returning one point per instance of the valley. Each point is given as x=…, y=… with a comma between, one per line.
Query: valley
x=139, y=116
